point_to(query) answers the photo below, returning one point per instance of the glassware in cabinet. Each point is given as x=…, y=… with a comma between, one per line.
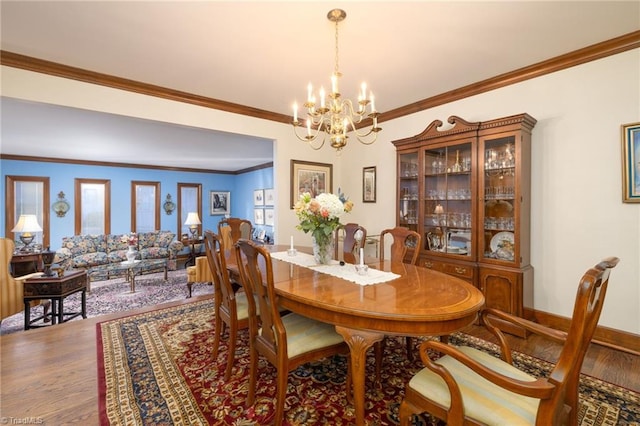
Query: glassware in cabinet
x=499, y=210
x=408, y=199
x=448, y=199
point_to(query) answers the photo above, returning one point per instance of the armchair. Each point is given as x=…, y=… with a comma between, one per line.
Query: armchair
x=11, y=289
x=468, y=386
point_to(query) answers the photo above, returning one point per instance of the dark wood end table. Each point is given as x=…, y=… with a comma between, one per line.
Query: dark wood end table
x=56, y=289
x=193, y=251
x=26, y=263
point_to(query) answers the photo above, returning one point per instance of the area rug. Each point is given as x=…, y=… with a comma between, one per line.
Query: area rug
x=157, y=369
x=115, y=295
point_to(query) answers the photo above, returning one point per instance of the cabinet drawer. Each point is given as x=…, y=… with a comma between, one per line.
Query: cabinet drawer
x=459, y=270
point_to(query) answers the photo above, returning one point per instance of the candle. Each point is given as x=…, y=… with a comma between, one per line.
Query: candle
x=373, y=102
x=295, y=112
x=309, y=90
x=321, y=97
x=364, y=90
x=362, y=256
x=292, y=242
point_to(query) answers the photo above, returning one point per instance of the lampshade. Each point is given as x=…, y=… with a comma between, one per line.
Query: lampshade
x=192, y=219
x=27, y=223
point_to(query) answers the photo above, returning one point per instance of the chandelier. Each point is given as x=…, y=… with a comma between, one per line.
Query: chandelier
x=333, y=115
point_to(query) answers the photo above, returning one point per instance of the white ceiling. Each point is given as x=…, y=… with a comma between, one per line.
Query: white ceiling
x=262, y=54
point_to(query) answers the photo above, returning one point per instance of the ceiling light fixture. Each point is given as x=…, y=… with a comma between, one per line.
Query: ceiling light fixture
x=333, y=116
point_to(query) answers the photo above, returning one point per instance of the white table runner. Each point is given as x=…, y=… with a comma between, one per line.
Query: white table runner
x=346, y=271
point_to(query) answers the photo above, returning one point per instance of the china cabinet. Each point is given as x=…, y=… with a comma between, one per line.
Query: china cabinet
x=465, y=187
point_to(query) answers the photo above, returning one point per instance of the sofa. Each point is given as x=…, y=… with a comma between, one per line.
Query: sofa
x=95, y=253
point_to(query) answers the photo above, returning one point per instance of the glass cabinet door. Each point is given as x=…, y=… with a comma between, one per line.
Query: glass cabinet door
x=408, y=191
x=499, y=210
x=448, y=200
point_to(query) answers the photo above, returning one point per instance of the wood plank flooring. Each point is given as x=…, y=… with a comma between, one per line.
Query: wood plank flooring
x=50, y=374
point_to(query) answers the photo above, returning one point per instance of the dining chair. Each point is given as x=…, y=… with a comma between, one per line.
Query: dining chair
x=405, y=247
x=12, y=289
x=354, y=237
x=230, y=307
x=286, y=341
x=468, y=386
x=231, y=229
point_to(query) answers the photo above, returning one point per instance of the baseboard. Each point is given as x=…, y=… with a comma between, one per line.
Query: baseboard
x=609, y=337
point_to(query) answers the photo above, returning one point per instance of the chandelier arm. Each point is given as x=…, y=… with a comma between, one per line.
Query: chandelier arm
x=355, y=116
x=310, y=139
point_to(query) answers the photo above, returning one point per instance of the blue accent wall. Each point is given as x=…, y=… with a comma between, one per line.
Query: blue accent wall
x=61, y=178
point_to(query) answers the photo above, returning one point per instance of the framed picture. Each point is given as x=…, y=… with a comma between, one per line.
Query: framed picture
x=369, y=184
x=268, y=217
x=258, y=216
x=314, y=178
x=258, y=197
x=220, y=202
x=631, y=163
x=269, y=197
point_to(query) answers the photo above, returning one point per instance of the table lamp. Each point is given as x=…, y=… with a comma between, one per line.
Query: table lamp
x=192, y=222
x=27, y=225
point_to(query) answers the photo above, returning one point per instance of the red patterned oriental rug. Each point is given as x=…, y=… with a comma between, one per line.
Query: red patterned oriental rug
x=157, y=369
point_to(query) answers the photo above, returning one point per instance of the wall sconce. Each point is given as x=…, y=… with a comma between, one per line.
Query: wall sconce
x=61, y=205
x=193, y=220
x=169, y=206
x=27, y=225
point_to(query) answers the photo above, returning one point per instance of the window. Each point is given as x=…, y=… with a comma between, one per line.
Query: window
x=27, y=195
x=93, y=206
x=145, y=202
x=189, y=200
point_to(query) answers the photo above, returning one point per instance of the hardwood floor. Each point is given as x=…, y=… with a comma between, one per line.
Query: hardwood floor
x=50, y=374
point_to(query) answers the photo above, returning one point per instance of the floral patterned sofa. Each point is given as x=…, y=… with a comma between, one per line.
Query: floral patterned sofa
x=95, y=252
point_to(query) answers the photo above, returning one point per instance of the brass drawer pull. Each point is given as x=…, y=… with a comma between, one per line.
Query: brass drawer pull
x=460, y=270
x=428, y=264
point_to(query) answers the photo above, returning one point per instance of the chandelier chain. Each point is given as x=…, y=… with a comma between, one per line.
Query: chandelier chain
x=336, y=69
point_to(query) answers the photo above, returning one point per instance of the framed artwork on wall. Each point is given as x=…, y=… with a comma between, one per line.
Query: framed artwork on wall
x=258, y=216
x=220, y=202
x=258, y=197
x=269, y=197
x=369, y=184
x=268, y=217
x=314, y=178
x=631, y=163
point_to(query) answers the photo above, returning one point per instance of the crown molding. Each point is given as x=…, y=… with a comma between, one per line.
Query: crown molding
x=130, y=165
x=591, y=53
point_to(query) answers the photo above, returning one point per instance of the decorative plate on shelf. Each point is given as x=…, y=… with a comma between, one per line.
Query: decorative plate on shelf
x=503, y=240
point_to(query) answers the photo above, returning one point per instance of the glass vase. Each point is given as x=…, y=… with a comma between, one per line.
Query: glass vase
x=323, y=251
x=131, y=254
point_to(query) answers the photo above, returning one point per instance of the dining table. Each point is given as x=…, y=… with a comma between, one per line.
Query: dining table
x=390, y=298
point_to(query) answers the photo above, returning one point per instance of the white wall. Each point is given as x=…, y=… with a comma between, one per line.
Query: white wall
x=578, y=217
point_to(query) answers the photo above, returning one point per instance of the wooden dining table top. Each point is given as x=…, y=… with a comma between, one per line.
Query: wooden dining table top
x=419, y=302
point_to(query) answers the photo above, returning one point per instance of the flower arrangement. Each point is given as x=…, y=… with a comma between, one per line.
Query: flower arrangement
x=321, y=215
x=131, y=239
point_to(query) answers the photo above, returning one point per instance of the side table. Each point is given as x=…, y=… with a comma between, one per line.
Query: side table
x=56, y=289
x=193, y=251
x=26, y=263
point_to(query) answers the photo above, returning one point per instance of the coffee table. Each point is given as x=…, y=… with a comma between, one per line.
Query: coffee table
x=138, y=267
